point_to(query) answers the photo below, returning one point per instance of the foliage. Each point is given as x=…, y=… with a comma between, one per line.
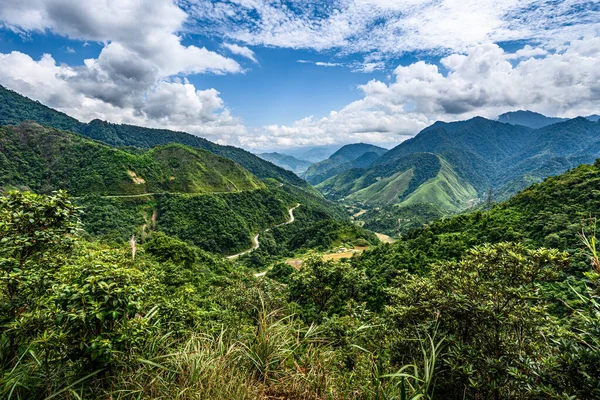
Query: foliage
x=15, y=109
x=42, y=159
x=324, y=287
x=397, y=220
x=429, y=317
x=489, y=308
x=33, y=229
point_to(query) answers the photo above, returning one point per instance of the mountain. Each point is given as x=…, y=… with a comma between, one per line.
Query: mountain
x=529, y=119
x=535, y=120
x=286, y=161
x=185, y=192
x=15, y=109
x=359, y=155
x=453, y=165
x=44, y=159
x=313, y=153
x=418, y=178
x=593, y=117
x=551, y=213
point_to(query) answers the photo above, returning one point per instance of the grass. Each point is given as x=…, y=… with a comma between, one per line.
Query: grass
x=280, y=359
x=446, y=189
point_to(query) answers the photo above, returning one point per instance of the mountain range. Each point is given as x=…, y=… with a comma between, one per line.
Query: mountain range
x=15, y=109
x=134, y=180
x=454, y=165
x=357, y=155
x=535, y=120
x=286, y=161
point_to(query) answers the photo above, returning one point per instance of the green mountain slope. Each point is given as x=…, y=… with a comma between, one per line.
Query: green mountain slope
x=550, y=214
x=358, y=155
x=477, y=154
x=15, y=109
x=420, y=178
x=44, y=159
x=286, y=161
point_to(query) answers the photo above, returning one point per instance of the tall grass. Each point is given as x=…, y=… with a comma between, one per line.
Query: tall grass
x=281, y=359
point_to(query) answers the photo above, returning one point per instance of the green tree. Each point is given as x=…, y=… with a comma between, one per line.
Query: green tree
x=489, y=307
x=324, y=287
x=35, y=231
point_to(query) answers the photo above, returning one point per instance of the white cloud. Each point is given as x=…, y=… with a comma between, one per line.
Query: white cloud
x=145, y=28
x=394, y=27
x=528, y=52
x=482, y=82
x=131, y=79
x=168, y=103
x=321, y=63
x=241, y=50
x=327, y=64
x=139, y=76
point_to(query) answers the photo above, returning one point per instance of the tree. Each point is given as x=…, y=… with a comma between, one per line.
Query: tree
x=489, y=307
x=35, y=232
x=324, y=287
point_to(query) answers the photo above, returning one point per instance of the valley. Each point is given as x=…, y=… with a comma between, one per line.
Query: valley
x=255, y=242
x=171, y=266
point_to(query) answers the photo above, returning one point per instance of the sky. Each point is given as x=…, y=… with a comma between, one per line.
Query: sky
x=268, y=75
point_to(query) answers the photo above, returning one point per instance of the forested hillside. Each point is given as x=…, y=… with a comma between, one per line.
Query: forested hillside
x=15, y=109
x=358, y=155
x=549, y=214
x=481, y=160
x=44, y=159
x=467, y=307
x=188, y=193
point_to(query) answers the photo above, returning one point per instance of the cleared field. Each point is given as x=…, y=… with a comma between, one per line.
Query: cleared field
x=385, y=238
x=344, y=254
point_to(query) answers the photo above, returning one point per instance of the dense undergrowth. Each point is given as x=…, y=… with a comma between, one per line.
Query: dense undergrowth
x=165, y=319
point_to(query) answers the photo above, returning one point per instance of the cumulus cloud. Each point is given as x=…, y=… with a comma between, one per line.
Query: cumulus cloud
x=167, y=103
x=139, y=75
x=131, y=79
x=486, y=81
x=528, y=51
x=145, y=28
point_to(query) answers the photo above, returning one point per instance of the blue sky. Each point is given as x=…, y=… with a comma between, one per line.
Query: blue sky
x=276, y=74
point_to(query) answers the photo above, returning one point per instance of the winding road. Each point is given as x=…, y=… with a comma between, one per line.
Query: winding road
x=255, y=242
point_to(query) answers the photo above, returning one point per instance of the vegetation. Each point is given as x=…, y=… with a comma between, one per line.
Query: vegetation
x=472, y=157
x=472, y=306
x=43, y=159
x=395, y=220
x=494, y=304
x=15, y=109
x=358, y=155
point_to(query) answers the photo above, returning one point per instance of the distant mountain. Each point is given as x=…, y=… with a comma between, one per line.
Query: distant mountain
x=44, y=159
x=593, y=117
x=529, y=119
x=313, y=153
x=286, y=161
x=15, y=109
x=358, y=155
x=535, y=120
x=453, y=165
